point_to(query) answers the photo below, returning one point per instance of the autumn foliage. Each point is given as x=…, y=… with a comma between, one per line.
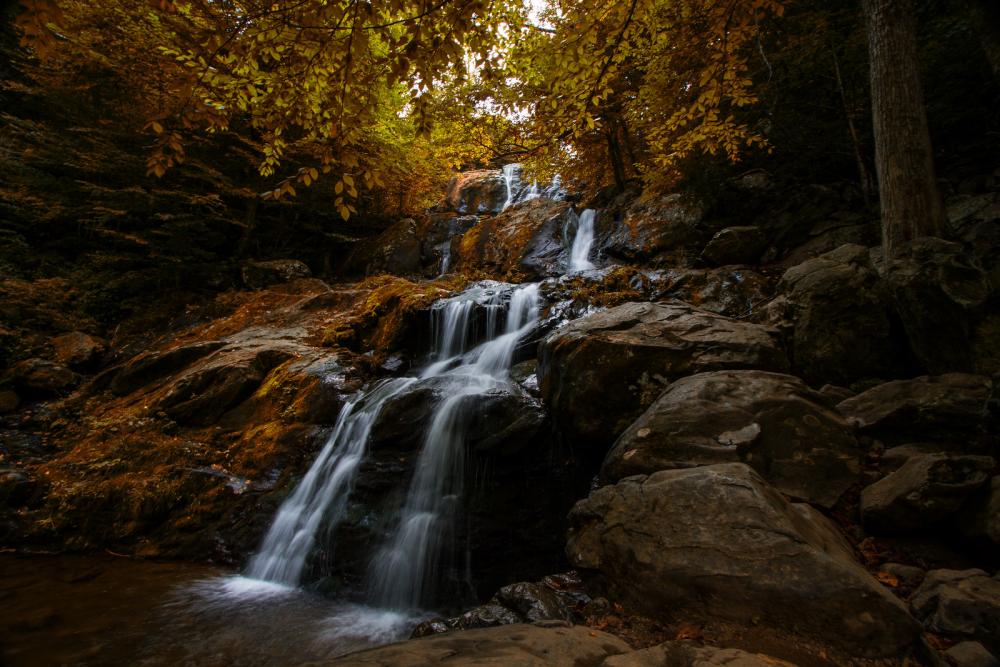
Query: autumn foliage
x=371, y=95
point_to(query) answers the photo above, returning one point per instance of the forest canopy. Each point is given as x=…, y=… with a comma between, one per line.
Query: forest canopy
x=374, y=93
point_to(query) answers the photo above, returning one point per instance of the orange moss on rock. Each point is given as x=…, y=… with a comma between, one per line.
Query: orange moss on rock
x=382, y=320
x=496, y=246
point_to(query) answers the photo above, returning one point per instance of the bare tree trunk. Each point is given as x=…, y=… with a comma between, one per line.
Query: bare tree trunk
x=910, y=202
x=985, y=18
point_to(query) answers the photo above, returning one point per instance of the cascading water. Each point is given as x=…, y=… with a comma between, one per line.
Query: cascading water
x=404, y=569
x=517, y=192
x=512, y=179
x=582, y=241
x=322, y=492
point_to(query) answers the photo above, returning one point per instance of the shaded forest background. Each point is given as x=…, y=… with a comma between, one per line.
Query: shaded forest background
x=89, y=241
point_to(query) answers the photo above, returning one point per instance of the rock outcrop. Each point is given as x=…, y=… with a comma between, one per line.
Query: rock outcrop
x=775, y=423
x=960, y=603
x=598, y=373
x=927, y=489
x=525, y=242
x=718, y=542
x=952, y=408
x=841, y=330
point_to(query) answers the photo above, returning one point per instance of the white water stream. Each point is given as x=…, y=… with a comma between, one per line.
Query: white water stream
x=404, y=568
x=582, y=241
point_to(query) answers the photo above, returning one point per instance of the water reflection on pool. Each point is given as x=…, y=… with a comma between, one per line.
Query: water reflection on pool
x=65, y=610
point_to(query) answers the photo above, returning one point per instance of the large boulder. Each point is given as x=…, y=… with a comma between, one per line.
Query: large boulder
x=216, y=384
x=925, y=490
x=960, y=603
x=775, y=423
x=480, y=191
x=841, y=327
x=542, y=645
x=42, y=377
x=952, y=408
x=936, y=289
x=735, y=245
x=410, y=246
x=525, y=242
x=671, y=224
x=398, y=250
x=598, y=373
x=717, y=542
x=153, y=366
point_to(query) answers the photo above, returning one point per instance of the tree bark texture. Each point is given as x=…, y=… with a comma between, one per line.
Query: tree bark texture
x=910, y=202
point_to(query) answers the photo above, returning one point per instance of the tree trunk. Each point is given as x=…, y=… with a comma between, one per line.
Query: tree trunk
x=985, y=19
x=910, y=202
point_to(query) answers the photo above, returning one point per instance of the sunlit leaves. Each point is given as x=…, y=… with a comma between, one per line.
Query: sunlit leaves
x=312, y=76
x=655, y=80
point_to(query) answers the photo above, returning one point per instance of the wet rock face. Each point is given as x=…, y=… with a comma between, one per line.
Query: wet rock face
x=598, y=373
x=925, y=490
x=540, y=645
x=841, y=327
x=474, y=192
x=718, y=542
x=952, y=408
x=503, y=420
x=208, y=390
x=525, y=242
x=151, y=367
x=961, y=604
x=397, y=250
x=410, y=247
x=775, y=423
x=558, y=597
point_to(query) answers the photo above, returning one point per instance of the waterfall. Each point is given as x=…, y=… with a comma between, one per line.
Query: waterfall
x=517, y=192
x=513, y=181
x=403, y=569
x=323, y=491
x=582, y=241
